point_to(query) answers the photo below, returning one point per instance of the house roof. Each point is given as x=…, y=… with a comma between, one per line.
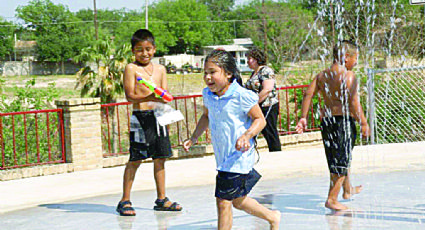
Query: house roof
x=239, y=44
x=25, y=45
x=228, y=48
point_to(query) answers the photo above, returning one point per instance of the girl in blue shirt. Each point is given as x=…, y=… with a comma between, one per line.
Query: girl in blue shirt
x=232, y=114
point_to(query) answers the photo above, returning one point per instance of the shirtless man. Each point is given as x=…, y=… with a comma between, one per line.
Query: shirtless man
x=148, y=139
x=339, y=89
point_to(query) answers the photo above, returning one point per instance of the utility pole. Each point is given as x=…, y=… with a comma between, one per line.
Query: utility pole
x=146, y=14
x=14, y=47
x=95, y=20
x=264, y=26
x=332, y=23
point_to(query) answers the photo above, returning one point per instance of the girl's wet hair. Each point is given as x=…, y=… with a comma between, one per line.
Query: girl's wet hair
x=225, y=60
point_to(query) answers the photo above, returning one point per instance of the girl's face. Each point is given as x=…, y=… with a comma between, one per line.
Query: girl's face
x=143, y=52
x=216, y=78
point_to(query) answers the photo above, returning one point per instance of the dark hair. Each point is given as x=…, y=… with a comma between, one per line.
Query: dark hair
x=142, y=35
x=225, y=60
x=342, y=48
x=258, y=55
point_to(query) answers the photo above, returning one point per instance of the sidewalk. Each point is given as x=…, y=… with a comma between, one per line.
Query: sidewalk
x=30, y=192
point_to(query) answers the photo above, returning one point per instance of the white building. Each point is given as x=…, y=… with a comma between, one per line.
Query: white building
x=181, y=59
x=238, y=49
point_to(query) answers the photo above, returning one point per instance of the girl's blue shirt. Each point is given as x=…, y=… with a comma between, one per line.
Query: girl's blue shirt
x=228, y=120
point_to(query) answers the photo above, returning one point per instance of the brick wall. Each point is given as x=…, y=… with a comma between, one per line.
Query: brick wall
x=83, y=142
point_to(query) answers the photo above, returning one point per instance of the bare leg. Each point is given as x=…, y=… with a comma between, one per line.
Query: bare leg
x=252, y=207
x=348, y=189
x=225, y=215
x=159, y=175
x=129, y=175
x=334, y=188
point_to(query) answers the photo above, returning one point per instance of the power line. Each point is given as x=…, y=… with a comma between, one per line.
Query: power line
x=184, y=21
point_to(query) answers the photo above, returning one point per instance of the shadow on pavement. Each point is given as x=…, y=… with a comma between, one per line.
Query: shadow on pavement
x=86, y=207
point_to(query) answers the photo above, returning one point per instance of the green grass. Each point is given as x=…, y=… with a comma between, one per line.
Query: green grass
x=63, y=93
x=178, y=84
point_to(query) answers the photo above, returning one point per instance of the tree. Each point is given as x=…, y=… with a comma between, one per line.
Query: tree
x=111, y=22
x=57, y=34
x=185, y=23
x=6, y=39
x=222, y=21
x=219, y=7
x=131, y=22
x=287, y=28
x=26, y=140
x=106, y=80
x=86, y=16
x=388, y=28
x=243, y=14
x=119, y=25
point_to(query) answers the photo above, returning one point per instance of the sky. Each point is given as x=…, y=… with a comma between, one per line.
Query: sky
x=7, y=9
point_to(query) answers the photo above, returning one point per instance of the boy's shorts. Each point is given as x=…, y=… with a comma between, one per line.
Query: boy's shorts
x=339, y=134
x=147, y=138
x=230, y=186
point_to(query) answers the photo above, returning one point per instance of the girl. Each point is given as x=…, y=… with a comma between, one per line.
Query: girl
x=234, y=118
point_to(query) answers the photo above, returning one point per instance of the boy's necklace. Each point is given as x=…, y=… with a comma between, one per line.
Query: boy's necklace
x=145, y=69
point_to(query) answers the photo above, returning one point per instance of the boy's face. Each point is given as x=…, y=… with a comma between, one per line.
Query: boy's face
x=351, y=60
x=143, y=52
x=216, y=78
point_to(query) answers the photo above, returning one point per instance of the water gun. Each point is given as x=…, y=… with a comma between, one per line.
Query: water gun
x=160, y=92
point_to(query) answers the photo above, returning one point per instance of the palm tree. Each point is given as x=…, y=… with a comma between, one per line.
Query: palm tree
x=106, y=80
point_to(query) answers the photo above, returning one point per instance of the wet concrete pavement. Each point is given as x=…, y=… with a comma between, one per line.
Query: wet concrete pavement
x=294, y=182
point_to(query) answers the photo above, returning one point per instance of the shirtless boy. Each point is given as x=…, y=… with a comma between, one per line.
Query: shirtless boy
x=339, y=88
x=148, y=139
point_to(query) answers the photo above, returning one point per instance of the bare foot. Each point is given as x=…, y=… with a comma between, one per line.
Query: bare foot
x=274, y=224
x=354, y=190
x=335, y=206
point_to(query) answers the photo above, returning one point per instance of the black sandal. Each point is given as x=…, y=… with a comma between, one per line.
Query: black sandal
x=123, y=210
x=161, y=202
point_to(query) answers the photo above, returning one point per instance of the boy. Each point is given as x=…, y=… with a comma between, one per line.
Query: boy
x=338, y=87
x=147, y=138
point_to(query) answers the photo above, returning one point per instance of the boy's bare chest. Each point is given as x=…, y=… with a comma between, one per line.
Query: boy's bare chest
x=148, y=74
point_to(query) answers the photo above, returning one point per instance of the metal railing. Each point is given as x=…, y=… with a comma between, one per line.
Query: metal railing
x=31, y=138
x=116, y=117
x=292, y=106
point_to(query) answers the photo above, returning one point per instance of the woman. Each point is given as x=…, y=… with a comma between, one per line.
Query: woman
x=262, y=81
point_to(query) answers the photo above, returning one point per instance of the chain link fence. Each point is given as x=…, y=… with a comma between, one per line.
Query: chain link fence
x=397, y=105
